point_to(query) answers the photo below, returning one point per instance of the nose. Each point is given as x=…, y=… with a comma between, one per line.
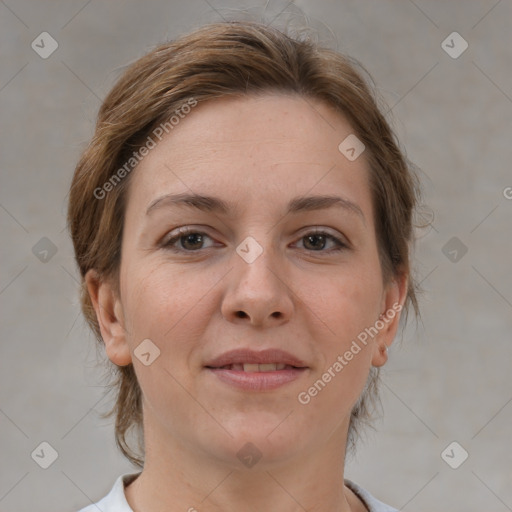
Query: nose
x=258, y=291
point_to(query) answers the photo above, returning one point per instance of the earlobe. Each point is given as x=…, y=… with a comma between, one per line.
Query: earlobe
x=380, y=355
x=109, y=313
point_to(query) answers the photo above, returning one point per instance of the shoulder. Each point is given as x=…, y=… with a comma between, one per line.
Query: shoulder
x=115, y=500
x=372, y=504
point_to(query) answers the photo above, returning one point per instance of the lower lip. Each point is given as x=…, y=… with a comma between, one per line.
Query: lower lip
x=257, y=381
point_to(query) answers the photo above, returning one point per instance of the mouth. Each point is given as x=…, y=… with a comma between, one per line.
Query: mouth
x=256, y=371
x=254, y=367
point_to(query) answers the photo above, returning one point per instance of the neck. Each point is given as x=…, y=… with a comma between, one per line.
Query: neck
x=179, y=478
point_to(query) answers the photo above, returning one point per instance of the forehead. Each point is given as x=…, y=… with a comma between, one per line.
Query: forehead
x=252, y=149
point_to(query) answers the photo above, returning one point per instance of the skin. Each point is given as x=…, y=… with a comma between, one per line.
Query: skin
x=258, y=152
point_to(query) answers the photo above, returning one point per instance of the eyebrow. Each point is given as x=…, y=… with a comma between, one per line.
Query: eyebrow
x=214, y=204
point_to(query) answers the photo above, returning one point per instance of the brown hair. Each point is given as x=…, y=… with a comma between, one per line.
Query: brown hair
x=221, y=59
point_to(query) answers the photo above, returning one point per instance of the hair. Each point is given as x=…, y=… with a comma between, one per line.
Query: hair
x=234, y=58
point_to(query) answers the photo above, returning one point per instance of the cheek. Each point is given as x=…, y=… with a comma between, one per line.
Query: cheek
x=347, y=302
x=161, y=306
x=164, y=305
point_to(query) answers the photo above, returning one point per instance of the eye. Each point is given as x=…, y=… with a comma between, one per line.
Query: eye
x=317, y=240
x=191, y=240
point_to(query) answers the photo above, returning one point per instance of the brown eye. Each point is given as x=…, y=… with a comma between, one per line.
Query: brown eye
x=317, y=242
x=189, y=241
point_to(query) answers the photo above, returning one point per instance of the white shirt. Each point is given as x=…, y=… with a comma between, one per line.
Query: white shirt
x=115, y=500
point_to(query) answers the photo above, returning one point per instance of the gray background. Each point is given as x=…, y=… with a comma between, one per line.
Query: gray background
x=447, y=380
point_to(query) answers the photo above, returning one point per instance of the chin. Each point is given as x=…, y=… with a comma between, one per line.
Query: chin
x=258, y=443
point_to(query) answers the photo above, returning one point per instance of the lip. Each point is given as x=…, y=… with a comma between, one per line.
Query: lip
x=256, y=381
x=243, y=355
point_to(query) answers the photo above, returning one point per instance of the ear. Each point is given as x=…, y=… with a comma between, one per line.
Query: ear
x=109, y=312
x=392, y=304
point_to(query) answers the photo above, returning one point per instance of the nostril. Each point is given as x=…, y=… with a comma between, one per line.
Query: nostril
x=243, y=314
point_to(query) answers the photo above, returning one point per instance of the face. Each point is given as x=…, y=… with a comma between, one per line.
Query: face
x=259, y=275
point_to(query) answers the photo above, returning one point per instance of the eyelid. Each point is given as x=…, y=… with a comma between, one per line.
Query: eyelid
x=182, y=231
x=323, y=230
x=339, y=239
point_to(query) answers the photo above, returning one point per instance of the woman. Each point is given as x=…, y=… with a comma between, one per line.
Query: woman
x=242, y=221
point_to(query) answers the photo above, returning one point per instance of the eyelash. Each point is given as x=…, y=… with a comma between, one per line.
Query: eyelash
x=169, y=244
